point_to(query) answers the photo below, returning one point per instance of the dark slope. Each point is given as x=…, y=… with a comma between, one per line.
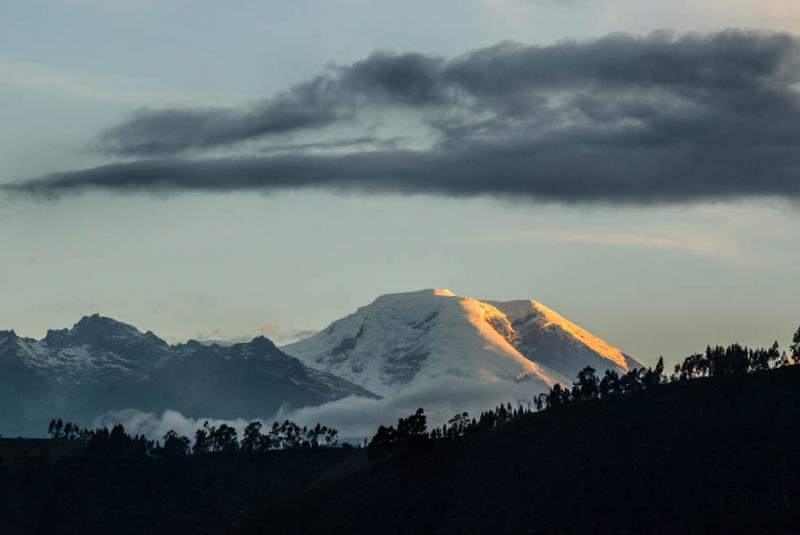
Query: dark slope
x=88, y=494
x=706, y=456
x=246, y=380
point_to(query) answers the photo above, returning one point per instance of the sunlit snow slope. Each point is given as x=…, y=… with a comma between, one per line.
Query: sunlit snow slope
x=411, y=340
x=544, y=336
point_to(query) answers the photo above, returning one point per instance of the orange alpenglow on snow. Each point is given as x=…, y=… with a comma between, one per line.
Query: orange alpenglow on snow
x=592, y=342
x=413, y=341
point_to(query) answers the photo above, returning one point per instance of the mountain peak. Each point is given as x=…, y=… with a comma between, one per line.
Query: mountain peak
x=411, y=339
x=97, y=329
x=102, y=365
x=263, y=343
x=443, y=292
x=427, y=293
x=96, y=321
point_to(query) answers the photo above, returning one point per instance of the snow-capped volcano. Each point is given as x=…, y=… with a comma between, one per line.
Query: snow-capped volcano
x=406, y=340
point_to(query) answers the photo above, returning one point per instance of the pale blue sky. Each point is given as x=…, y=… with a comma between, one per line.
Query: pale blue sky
x=653, y=280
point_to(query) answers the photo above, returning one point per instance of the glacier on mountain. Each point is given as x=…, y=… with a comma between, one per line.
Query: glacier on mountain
x=407, y=340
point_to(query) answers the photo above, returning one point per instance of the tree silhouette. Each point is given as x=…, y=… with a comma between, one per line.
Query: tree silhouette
x=693, y=366
x=609, y=385
x=331, y=436
x=56, y=427
x=175, y=446
x=795, y=347
x=202, y=441
x=558, y=396
x=459, y=425
x=654, y=376
x=587, y=386
x=764, y=359
x=383, y=440
x=224, y=439
x=252, y=437
x=264, y=442
x=733, y=360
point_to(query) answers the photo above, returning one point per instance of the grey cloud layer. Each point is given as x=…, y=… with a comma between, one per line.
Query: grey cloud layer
x=619, y=119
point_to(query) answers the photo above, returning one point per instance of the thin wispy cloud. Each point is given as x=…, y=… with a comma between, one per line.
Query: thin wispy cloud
x=617, y=120
x=683, y=241
x=643, y=14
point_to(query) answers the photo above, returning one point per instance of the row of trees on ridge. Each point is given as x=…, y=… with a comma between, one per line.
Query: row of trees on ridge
x=714, y=362
x=412, y=430
x=207, y=440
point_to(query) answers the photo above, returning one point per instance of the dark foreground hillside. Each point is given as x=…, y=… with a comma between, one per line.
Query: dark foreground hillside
x=714, y=455
x=110, y=494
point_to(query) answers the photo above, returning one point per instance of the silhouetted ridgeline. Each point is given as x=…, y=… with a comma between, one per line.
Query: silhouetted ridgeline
x=710, y=448
x=713, y=455
x=718, y=361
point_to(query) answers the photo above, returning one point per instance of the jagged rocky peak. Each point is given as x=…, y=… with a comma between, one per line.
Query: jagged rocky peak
x=102, y=325
x=260, y=348
x=7, y=340
x=97, y=330
x=95, y=322
x=262, y=343
x=8, y=335
x=101, y=365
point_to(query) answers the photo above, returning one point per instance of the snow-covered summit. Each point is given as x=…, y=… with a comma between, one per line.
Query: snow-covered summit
x=95, y=348
x=408, y=340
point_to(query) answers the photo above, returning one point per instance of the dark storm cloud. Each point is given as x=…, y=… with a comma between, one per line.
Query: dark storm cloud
x=597, y=171
x=619, y=119
x=337, y=144
x=382, y=79
x=161, y=132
